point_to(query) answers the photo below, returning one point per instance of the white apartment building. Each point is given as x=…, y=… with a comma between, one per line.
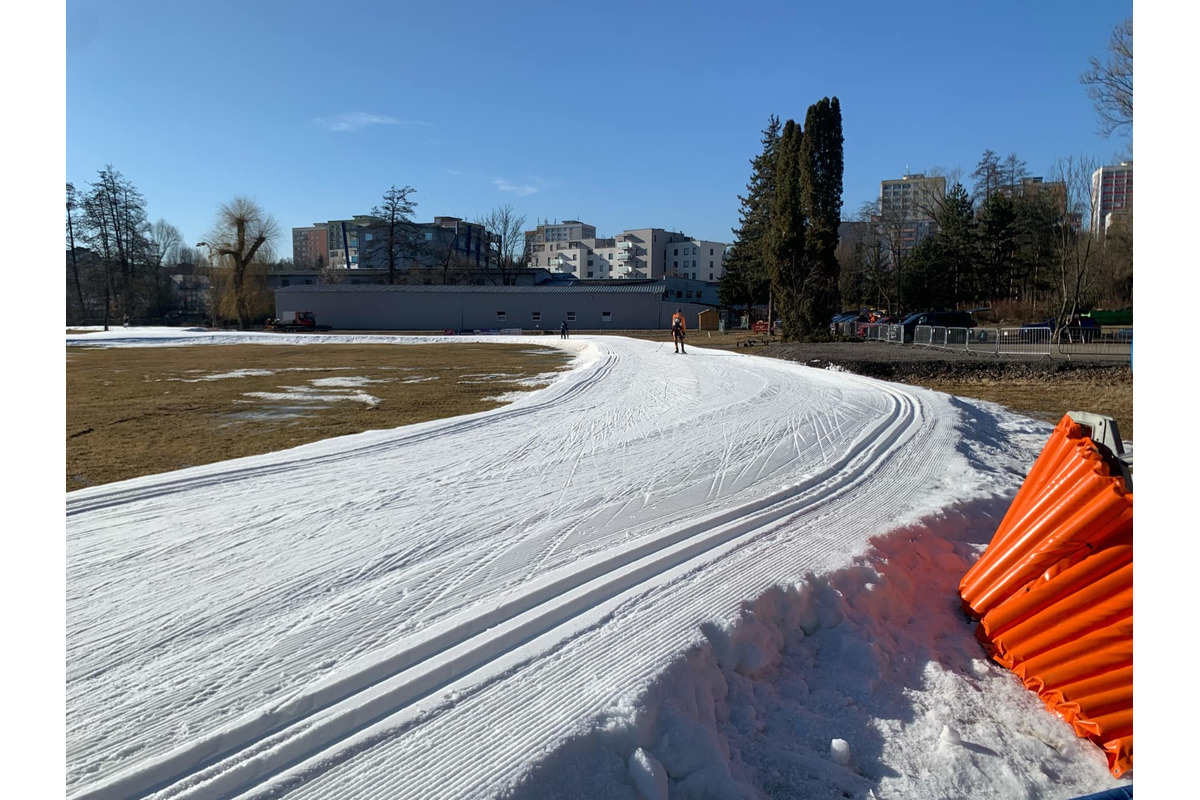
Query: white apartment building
x=696, y=259
x=1112, y=195
x=640, y=253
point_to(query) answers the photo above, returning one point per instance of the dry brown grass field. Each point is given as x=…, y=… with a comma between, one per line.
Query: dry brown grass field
x=134, y=411
x=142, y=411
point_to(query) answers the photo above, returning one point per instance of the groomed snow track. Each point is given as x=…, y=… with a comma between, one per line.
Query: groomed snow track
x=421, y=612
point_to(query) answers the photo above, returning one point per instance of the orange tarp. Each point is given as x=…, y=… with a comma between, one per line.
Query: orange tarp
x=1053, y=592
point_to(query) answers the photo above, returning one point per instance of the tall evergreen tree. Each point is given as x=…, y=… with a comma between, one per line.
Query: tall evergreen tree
x=988, y=175
x=392, y=240
x=746, y=281
x=997, y=230
x=1013, y=170
x=926, y=284
x=786, y=234
x=821, y=169
x=958, y=246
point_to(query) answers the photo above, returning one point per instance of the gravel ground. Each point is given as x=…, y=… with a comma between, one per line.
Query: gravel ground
x=1042, y=388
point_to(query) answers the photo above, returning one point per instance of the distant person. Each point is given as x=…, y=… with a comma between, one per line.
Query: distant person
x=678, y=330
x=565, y=333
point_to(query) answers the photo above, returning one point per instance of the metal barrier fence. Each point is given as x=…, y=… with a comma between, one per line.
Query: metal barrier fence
x=1026, y=342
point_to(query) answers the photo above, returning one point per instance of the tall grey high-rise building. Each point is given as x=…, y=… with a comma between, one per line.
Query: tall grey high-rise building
x=906, y=209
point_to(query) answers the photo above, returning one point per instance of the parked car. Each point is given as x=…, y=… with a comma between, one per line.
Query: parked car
x=939, y=319
x=838, y=319
x=1077, y=329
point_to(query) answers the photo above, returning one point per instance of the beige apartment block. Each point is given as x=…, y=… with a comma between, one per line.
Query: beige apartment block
x=638, y=253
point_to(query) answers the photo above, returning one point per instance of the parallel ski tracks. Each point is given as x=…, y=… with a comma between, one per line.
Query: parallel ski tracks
x=88, y=500
x=312, y=724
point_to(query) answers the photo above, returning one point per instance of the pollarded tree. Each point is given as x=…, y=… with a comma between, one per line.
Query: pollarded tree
x=241, y=237
x=821, y=169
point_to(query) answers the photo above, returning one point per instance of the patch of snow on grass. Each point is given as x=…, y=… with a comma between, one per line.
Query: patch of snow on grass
x=303, y=394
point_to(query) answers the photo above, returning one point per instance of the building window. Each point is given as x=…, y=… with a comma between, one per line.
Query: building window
x=676, y=251
x=590, y=275
x=710, y=276
x=606, y=316
x=535, y=316
x=570, y=316
x=500, y=316
x=710, y=251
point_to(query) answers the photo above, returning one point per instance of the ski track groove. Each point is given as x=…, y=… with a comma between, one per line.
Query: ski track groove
x=304, y=731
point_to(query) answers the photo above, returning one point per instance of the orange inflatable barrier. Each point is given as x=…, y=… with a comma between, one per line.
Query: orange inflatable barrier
x=1042, y=592
x=1053, y=592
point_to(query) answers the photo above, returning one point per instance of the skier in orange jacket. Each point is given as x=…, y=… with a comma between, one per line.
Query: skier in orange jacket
x=678, y=330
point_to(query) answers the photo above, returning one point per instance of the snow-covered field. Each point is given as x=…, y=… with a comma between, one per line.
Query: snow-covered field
x=712, y=575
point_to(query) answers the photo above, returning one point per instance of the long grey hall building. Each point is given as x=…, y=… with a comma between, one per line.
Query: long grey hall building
x=600, y=306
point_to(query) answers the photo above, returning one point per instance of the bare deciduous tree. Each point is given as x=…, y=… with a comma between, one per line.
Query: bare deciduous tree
x=163, y=245
x=73, y=207
x=114, y=216
x=1110, y=84
x=1078, y=253
x=865, y=276
x=241, y=237
x=506, y=244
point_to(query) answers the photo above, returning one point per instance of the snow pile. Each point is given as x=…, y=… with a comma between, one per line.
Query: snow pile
x=822, y=687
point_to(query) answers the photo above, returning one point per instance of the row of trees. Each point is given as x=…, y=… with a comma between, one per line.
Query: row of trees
x=1009, y=242
x=114, y=254
x=120, y=266
x=784, y=250
x=396, y=244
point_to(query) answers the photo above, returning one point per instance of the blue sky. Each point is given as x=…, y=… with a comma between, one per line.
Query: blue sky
x=620, y=114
